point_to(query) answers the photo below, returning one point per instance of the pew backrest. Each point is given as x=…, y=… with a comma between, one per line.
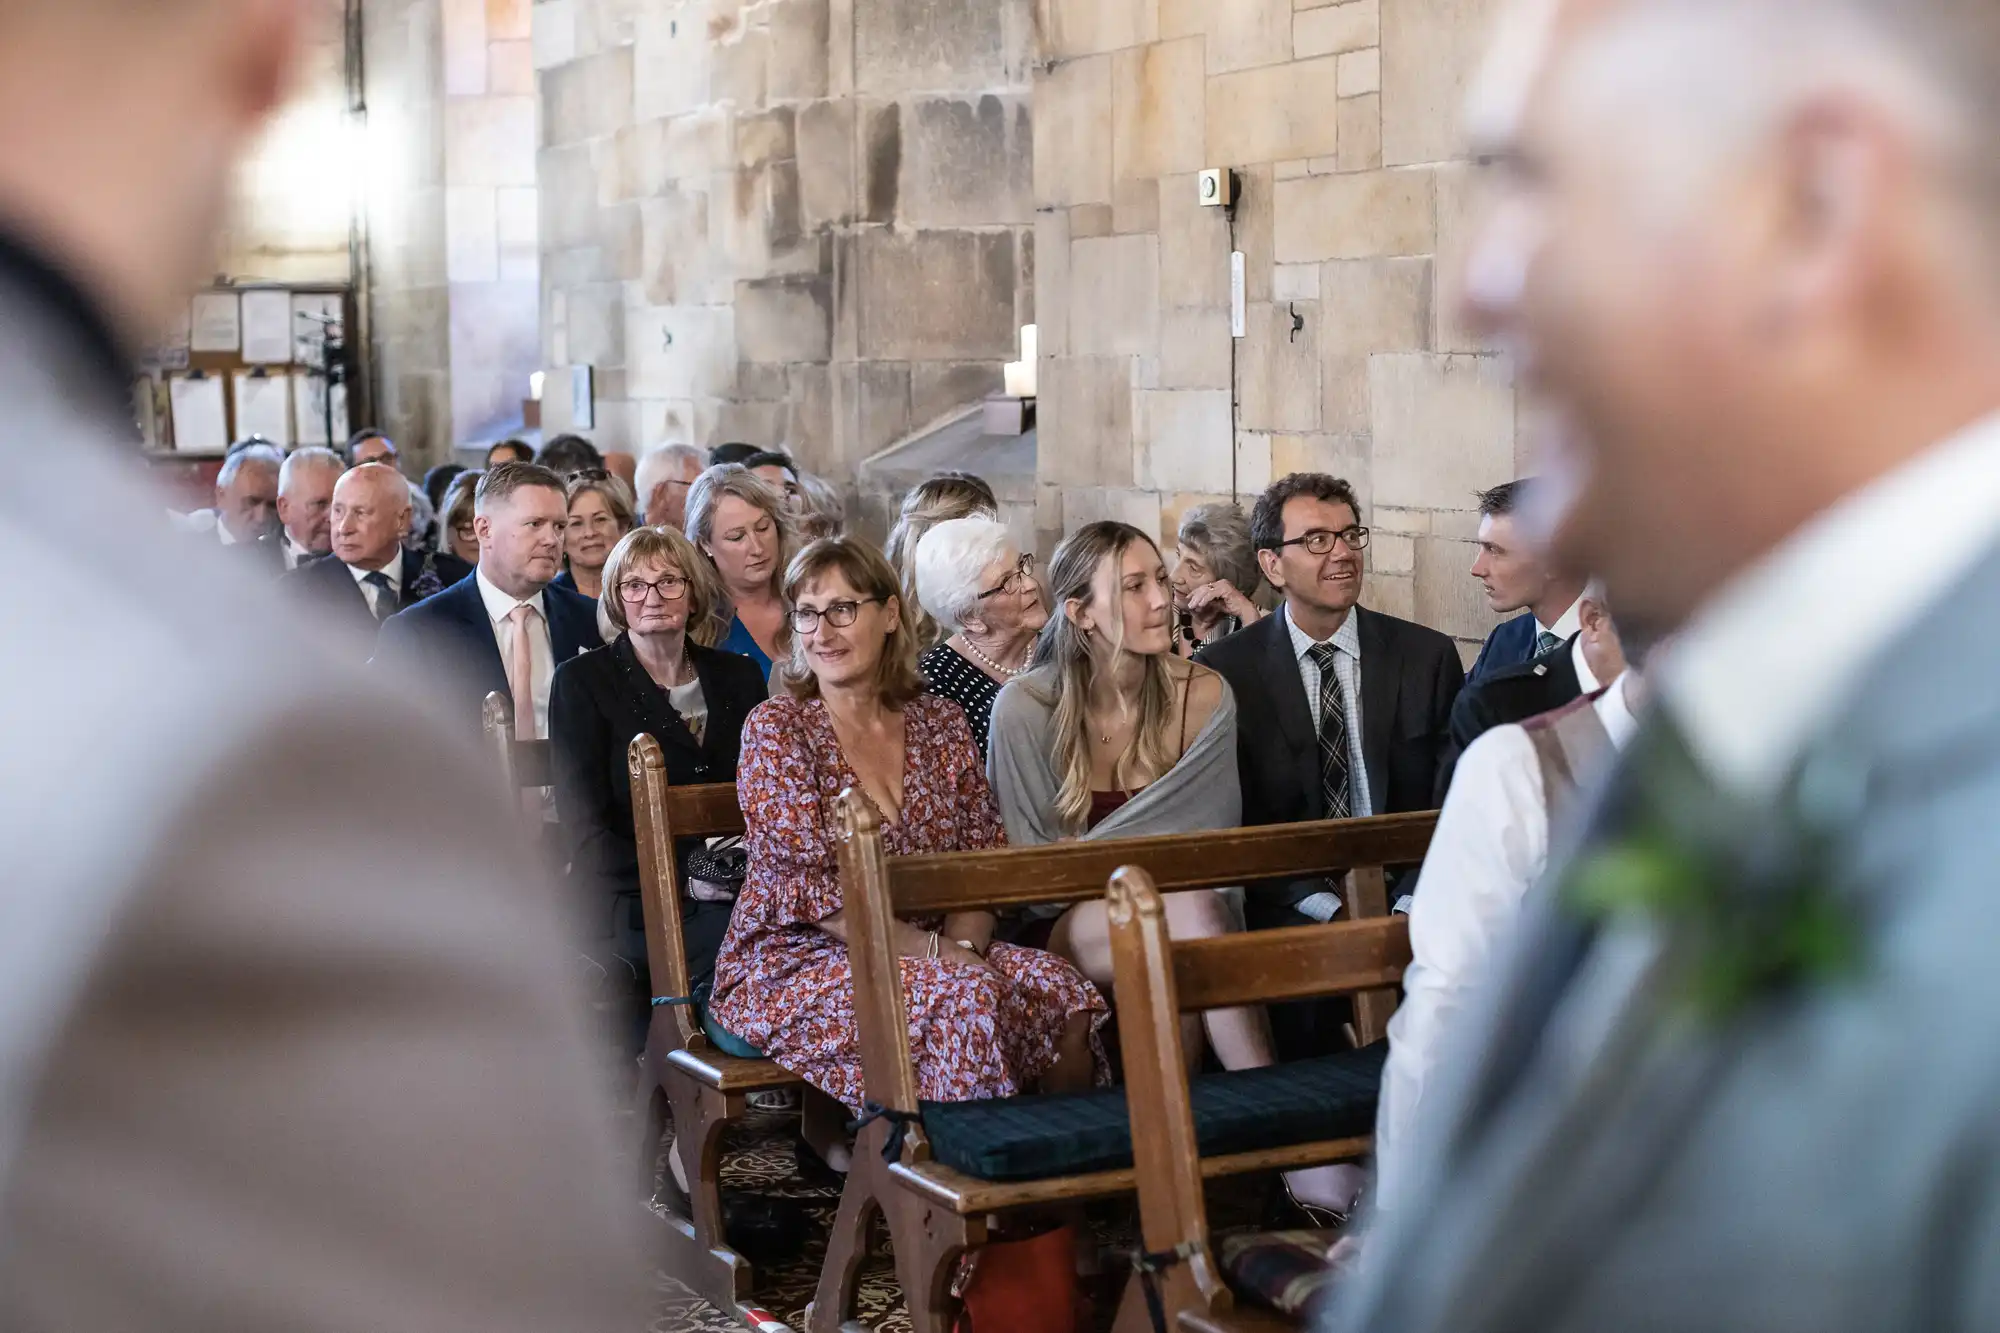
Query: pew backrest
x=662, y=814
x=522, y=763
x=1157, y=982
x=877, y=889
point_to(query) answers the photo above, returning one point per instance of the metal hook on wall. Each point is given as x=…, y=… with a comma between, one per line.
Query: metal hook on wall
x=1298, y=320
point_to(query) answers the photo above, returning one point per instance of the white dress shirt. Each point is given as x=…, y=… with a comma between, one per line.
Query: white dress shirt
x=1491, y=845
x=1766, y=661
x=393, y=593
x=295, y=554
x=500, y=606
x=1567, y=624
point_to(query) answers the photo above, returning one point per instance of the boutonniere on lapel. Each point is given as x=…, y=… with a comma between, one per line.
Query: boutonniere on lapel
x=1746, y=899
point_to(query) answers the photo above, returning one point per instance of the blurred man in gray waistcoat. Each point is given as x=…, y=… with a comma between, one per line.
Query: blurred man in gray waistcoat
x=1742, y=1070
x=283, y=1045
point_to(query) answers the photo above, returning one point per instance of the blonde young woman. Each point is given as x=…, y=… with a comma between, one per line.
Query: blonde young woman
x=742, y=526
x=1112, y=735
x=930, y=502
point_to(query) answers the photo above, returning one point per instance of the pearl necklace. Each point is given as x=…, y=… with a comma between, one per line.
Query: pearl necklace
x=1008, y=672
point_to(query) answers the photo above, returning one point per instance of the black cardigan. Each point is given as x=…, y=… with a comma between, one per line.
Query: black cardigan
x=598, y=702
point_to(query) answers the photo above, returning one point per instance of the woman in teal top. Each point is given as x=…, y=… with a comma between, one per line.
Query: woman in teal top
x=742, y=526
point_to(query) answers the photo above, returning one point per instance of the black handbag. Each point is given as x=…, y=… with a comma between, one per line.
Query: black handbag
x=727, y=864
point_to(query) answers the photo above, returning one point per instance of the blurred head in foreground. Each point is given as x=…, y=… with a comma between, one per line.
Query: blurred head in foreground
x=1744, y=255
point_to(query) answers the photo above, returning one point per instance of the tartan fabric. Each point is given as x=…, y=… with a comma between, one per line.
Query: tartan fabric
x=1035, y=1137
x=1335, y=778
x=1283, y=1270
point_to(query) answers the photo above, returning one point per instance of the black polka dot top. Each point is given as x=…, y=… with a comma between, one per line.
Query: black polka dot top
x=958, y=680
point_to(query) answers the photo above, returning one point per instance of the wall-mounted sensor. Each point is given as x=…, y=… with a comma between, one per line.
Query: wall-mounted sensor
x=1218, y=187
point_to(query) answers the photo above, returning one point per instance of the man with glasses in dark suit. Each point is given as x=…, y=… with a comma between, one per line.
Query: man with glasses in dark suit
x=1345, y=712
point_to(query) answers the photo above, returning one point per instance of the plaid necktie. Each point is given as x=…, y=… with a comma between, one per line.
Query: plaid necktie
x=1335, y=774
x=1547, y=642
x=384, y=596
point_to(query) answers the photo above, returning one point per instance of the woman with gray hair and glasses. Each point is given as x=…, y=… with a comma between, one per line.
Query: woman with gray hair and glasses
x=1215, y=576
x=973, y=580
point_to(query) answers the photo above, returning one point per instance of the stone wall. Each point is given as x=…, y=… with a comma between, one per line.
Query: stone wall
x=804, y=223
x=409, y=326
x=1342, y=120
x=451, y=205
x=294, y=200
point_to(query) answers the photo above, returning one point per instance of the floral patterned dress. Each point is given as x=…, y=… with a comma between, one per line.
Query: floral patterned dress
x=784, y=985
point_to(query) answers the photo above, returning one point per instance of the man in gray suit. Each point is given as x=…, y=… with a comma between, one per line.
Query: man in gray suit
x=282, y=1045
x=1742, y=1070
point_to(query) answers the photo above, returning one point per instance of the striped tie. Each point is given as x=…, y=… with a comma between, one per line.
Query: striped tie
x=1335, y=772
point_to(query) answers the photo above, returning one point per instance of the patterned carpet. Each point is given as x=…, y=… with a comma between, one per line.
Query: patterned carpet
x=757, y=1159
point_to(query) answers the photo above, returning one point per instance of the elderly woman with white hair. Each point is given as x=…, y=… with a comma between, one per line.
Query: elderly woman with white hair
x=973, y=580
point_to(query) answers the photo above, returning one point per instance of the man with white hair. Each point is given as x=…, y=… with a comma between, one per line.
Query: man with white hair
x=1740, y=1071
x=663, y=478
x=305, y=494
x=246, y=494
x=289, y=1039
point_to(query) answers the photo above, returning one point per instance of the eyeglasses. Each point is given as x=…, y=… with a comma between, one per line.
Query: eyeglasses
x=590, y=474
x=1319, y=541
x=670, y=587
x=837, y=614
x=1019, y=581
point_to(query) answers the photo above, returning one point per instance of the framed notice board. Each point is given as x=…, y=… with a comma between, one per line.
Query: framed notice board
x=268, y=360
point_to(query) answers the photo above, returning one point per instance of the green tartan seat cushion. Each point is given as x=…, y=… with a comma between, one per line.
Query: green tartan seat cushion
x=1240, y=1110
x=1283, y=1270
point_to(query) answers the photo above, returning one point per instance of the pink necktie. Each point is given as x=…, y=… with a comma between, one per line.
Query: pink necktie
x=521, y=671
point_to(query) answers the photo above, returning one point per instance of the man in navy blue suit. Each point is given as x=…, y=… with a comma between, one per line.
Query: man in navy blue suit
x=503, y=627
x=1517, y=578
x=369, y=575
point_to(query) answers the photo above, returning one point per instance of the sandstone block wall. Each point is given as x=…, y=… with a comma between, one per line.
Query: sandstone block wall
x=805, y=223
x=1342, y=120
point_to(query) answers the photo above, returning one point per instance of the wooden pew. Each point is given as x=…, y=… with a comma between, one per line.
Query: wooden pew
x=935, y=1213
x=705, y=1088
x=1157, y=982
x=522, y=763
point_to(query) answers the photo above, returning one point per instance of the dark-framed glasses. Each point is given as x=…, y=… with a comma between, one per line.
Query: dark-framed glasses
x=669, y=587
x=840, y=615
x=1319, y=541
x=1019, y=581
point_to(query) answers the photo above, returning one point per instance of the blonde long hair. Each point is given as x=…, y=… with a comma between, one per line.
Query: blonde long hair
x=930, y=502
x=1073, y=577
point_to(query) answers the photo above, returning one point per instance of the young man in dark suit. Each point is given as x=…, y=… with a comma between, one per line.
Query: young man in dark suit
x=1584, y=664
x=369, y=575
x=503, y=627
x=1342, y=711
x=1516, y=577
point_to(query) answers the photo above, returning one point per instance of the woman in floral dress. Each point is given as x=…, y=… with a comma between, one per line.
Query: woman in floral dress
x=986, y=1019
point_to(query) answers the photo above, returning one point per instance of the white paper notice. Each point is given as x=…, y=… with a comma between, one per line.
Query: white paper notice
x=200, y=425
x=264, y=405
x=310, y=313
x=309, y=406
x=218, y=323
x=267, y=328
